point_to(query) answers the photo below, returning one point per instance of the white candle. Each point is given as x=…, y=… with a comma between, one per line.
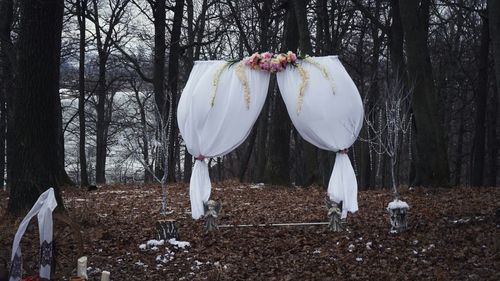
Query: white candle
x=105, y=275
x=81, y=270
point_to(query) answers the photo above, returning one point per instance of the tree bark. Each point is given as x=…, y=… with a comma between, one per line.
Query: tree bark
x=173, y=76
x=6, y=77
x=491, y=140
x=159, y=15
x=81, y=12
x=277, y=166
x=478, y=149
x=458, y=161
x=263, y=120
x=35, y=141
x=431, y=156
x=396, y=41
x=309, y=157
x=101, y=92
x=494, y=20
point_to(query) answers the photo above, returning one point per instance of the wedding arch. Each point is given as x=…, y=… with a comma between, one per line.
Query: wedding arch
x=222, y=100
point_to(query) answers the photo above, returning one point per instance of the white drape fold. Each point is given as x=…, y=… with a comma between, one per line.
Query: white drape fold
x=343, y=185
x=43, y=209
x=213, y=126
x=330, y=117
x=200, y=188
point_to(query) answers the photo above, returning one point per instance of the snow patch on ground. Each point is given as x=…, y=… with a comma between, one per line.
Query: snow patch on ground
x=179, y=244
x=351, y=247
x=165, y=258
x=153, y=243
x=257, y=185
x=398, y=204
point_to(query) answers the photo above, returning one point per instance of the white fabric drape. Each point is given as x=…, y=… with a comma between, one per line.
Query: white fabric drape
x=43, y=208
x=328, y=120
x=213, y=129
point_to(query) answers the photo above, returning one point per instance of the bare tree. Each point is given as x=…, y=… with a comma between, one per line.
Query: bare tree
x=392, y=110
x=105, y=34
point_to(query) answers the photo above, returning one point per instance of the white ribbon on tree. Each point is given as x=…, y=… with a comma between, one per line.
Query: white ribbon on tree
x=43, y=209
x=329, y=115
x=213, y=124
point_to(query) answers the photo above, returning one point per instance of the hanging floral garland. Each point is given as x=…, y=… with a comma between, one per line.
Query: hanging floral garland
x=215, y=82
x=240, y=72
x=273, y=63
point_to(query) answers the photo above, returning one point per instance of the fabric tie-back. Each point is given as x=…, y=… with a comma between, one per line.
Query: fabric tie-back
x=329, y=117
x=43, y=208
x=213, y=125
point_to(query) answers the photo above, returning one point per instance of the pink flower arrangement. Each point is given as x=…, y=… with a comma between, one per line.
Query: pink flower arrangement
x=270, y=62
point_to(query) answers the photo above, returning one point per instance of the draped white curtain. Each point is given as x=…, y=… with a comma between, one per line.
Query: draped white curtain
x=43, y=209
x=213, y=127
x=330, y=117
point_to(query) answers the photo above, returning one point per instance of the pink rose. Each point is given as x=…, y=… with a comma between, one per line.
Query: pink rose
x=291, y=56
x=267, y=55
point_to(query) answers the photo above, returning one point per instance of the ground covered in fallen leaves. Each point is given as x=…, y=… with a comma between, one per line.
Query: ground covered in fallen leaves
x=454, y=235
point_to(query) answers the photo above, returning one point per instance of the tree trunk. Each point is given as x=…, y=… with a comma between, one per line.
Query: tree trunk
x=159, y=17
x=310, y=152
x=101, y=92
x=478, y=149
x=431, y=156
x=263, y=120
x=5, y=87
x=460, y=141
x=81, y=11
x=173, y=76
x=262, y=134
x=494, y=20
x=277, y=166
x=6, y=76
x=63, y=179
x=396, y=41
x=491, y=140
x=35, y=141
x=101, y=144
x=159, y=14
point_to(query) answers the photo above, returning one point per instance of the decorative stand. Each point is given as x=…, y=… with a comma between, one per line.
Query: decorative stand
x=167, y=229
x=398, y=211
x=212, y=210
x=336, y=224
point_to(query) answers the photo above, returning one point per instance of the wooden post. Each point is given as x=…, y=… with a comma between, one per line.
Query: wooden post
x=167, y=229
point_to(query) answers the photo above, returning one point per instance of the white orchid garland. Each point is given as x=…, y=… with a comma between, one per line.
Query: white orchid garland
x=304, y=75
x=215, y=82
x=240, y=72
